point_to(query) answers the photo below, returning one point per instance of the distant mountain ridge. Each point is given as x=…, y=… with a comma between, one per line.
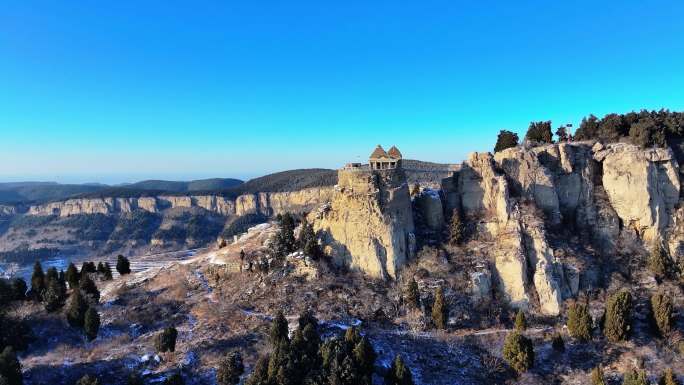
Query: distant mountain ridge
x=290, y=180
x=36, y=192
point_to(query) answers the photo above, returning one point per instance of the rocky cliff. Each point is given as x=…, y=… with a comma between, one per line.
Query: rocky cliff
x=604, y=191
x=368, y=224
x=266, y=203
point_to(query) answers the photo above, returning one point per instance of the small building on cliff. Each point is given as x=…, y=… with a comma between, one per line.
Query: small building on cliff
x=368, y=224
x=382, y=160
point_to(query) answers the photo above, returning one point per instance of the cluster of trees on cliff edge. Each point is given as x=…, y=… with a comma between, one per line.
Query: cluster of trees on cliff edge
x=644, y=128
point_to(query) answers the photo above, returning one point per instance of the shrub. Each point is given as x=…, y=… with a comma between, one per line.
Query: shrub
x=668, y=378
x=635, y=377
x=661, y=312
x=505, y=139
x=539, y=132
x=123, y=266
x=413, y=293
x=520, y=321
x=230, y=369
x=88, y=380
x=166, y=340
x=618, y=316
x=10, y=368
x=518, y=352
x=399, y=373
x=91, y=323
x=579, y=322
x=597, y=377
x=439, y=310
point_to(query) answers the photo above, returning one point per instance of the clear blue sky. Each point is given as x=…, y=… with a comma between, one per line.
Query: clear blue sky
x=114, y=91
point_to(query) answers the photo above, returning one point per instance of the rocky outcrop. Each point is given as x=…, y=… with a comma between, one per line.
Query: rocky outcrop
x=267, y=203
x=642, y=186
x=429, y=206
x=520, y=249
x=601, y=190
x=368, y=224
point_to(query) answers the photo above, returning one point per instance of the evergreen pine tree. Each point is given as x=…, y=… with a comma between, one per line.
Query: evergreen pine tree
x=520, y=321
x=100, y=268
x=518, y=352
x=53, y=295
x=659, y=263
x=10, y=368
x=579, y=322
x=259, y=375
x=91, y=323
x=89, y=289
x=439, y=310
x=76, y=309
x=413, y=293
x=72, y=276
x=399, y=373
x=456, y=229
x=279, y=329
x=505, y=139
x=661, y=312
x=539, y=132
x=365, y=357
x=123, y=266
x=107, y=272
x=618, y=316
x=166, y=340
x=37, y=281
x=230, y=369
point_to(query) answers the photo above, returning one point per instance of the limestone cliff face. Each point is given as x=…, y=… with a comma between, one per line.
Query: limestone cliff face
x=643, y=187
x=520, y=248
x=268, y=203
x=602, y=190
x=368, y=224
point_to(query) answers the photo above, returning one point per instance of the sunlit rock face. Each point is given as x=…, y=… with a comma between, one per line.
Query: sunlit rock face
x=368, y=224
